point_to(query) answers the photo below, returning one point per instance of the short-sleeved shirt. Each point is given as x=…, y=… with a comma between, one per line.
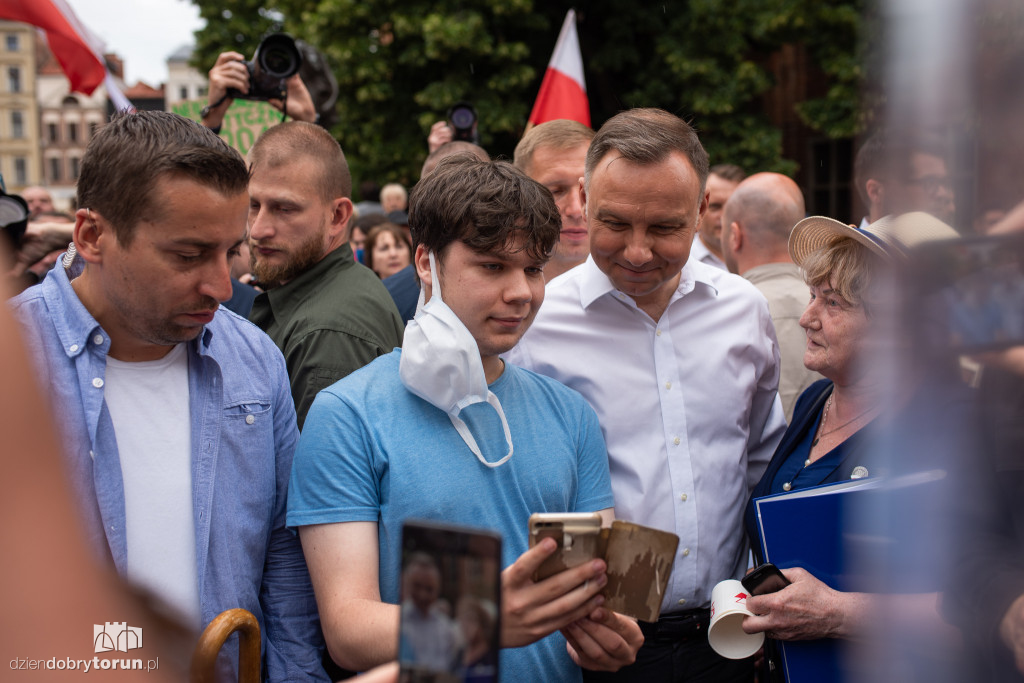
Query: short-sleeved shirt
x=371, y=451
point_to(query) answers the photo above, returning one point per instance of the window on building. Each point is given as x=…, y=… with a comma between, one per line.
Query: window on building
x=52, y=132
x=74, y=164
x=72, y=132
x=13, y=79
x=828, y=191
x=183, y=92
x=12, y=42
x=17, y=124
x=20, y=171
x=55, y=170
x=201, y=91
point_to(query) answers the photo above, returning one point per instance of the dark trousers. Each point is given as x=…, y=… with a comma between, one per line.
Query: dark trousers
x=676, y=650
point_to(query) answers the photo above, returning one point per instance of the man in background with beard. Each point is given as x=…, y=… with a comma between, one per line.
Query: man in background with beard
x=328, y=314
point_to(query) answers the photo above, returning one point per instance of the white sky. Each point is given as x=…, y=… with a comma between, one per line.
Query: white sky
x=142, y=32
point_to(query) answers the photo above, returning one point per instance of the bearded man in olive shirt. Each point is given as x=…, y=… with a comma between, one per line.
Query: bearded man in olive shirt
x=328, y=314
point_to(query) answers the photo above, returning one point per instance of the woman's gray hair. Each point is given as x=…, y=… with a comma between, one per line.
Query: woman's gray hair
x=849, y=268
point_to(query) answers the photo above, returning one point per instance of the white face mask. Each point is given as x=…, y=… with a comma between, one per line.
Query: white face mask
x=441, y=364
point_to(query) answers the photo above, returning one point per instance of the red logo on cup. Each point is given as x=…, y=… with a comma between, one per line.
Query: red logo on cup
x=740, y=597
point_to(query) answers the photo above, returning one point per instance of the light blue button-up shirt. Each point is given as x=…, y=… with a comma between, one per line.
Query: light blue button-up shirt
x=243, y=439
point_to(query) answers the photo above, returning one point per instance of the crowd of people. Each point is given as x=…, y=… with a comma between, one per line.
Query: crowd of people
x=701, y=343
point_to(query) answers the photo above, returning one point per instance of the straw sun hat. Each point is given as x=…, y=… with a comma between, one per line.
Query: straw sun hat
x=888, y=237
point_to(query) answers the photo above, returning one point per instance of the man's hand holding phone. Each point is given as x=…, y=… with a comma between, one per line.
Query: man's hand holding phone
x=533, y=610
x=603, y=641
x=569, y=601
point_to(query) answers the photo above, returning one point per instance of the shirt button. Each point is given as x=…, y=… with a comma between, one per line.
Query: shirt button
x=668, y=385
x=682, y=601
x=807, y=462
x=658, y=334
x=787, y=486
x=676, y=441
x=686, y=552
x=98, y=339
x=683, y=497
x=92, y=455
x=97, y=382
x=249, y=419
x=73, y=348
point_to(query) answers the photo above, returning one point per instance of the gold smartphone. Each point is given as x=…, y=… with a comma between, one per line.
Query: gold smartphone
x=578, y=535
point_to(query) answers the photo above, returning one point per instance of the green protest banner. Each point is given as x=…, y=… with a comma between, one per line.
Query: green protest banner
x=243, y=123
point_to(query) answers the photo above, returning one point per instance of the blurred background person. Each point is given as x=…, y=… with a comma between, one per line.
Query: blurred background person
x=387, y=250
x=897, y=173
x=38, y=199
x=756, y=224
x=359, y=229
x=707, y=245
x=393, y=197
x=554, y=154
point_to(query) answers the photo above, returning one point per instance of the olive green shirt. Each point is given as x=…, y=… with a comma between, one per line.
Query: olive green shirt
x=328, y=322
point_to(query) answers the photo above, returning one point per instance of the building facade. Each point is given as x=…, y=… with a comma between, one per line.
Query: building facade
x=19, y=111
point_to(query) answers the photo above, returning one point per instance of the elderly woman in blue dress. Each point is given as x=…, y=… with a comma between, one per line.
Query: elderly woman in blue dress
x=851, y=295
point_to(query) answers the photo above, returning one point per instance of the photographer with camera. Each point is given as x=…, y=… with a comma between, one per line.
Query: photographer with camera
x=230, y=78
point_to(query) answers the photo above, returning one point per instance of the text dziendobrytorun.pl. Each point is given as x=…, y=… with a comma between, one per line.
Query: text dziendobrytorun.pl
x=84, y=665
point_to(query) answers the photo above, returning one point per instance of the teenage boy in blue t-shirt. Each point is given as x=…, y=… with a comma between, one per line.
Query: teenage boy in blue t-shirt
x=446, y=430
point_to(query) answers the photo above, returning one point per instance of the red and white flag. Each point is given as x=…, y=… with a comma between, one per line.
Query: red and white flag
x=78, y=50
x=563, y=92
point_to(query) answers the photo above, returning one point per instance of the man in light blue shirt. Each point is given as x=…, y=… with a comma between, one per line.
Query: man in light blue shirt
x=176, y=414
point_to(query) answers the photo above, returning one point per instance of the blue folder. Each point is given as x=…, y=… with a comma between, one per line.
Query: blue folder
x=805, y=528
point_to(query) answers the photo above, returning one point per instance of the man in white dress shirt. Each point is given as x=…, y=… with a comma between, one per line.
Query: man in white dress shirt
x=680, y=362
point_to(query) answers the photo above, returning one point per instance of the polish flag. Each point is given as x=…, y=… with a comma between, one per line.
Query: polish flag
x=563, y=92
x=77, y=49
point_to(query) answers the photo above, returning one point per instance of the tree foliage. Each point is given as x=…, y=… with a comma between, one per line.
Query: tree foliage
x=401, y=65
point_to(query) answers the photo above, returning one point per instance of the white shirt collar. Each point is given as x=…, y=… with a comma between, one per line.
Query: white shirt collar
x=594, y=284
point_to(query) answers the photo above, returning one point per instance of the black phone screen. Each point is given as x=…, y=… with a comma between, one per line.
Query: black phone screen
x=765, y=579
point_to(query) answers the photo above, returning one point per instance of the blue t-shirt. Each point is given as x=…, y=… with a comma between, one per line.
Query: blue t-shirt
x=371, y=451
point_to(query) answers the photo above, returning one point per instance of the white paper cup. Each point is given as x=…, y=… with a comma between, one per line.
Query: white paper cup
x=728, y=609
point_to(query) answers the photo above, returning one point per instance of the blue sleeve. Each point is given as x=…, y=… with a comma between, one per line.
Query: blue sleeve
x=334, y=478
x=293, y=640
x=595, y=487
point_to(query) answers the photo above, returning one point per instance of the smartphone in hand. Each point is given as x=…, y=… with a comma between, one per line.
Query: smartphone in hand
x=577, y=534
x=764, y=579
x=450, y=604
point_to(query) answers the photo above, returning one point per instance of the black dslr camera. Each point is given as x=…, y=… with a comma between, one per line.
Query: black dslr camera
x=462, y=117
x=277, y=58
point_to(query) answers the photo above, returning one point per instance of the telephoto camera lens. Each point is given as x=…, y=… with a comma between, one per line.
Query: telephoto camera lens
x=278, y=56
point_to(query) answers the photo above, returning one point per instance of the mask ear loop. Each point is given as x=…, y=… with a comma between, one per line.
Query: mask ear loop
x=435, y=283
x=464, y=432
